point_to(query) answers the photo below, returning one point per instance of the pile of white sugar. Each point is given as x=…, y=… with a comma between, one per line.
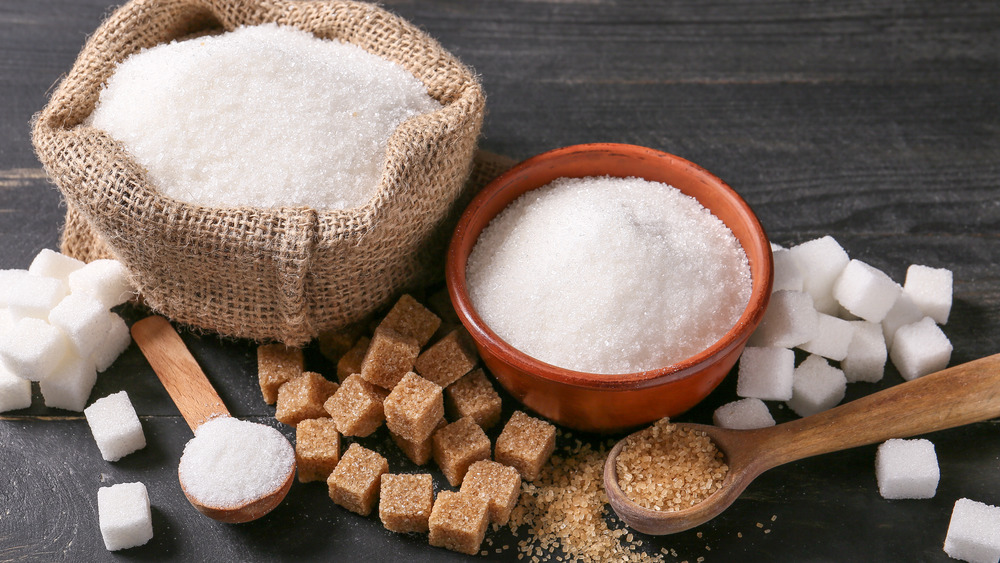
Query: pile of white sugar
x=231, y=462
x=608, y=275
x=263, y=116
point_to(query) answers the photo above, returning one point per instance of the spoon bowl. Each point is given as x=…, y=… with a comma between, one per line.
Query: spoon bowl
x=953, y=397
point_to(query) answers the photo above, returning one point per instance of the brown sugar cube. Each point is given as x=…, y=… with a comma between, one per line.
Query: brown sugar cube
x=410, y=318
x=405, y=502
x=418, y=452
x=457, y=446
x=333, y=344
x=356, y=407
x=498, y=484
x=473, y=396
x=350, y=362
x=317, y=449
x=448, y=359
x=413, y=408
x=390, y=356
x=354, y=483
x=458, y=522
x=276, y=364
x=525, y=444
x=302, y=397
x=440, y=303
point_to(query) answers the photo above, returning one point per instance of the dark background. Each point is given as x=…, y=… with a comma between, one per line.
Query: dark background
x=875, y=122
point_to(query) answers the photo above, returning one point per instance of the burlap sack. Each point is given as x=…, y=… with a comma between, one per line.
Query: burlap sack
x=267, y=274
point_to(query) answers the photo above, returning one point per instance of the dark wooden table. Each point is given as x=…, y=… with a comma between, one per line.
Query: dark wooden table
x=875, y=122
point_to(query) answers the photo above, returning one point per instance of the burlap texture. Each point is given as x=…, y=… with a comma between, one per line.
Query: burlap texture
x=281, y=274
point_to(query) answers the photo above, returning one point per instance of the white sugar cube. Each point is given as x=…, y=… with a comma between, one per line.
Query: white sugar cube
x=775, y=246
x=931, y=290
x=865, y=360
x=816, y=386
x=83, y=319
x=745, y=414
x=920, y=348
x=790, y=320
x=903, y=312
x=833, y=337
x=15, y=393
x=115, y=426
x=33, y=348
x=7, y=280
x=70, y=384
x=973, y=532
x=906, y=469
x=820, y=261
x=787, y=275
x=6, y=322
x=106, y=280
x=115, y=341
x=124, y=515
x=34, y=296
x=766, y=373
x=865, y=291
x=52, y=264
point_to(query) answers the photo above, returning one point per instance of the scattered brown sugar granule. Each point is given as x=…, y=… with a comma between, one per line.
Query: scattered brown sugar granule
x=448, y=359
x=414, y=407
x=302, y=397
x=497, y=484
x=458, y=522
x=356, y=407
x=405, y=502
x=525, y=444
x=390, y=356
x=667, y=467
x=317, y=449
x=354, y=483
x=457, y=446
x=474, y=396
x=350, y=362
x=276, y=364
x=410, y=318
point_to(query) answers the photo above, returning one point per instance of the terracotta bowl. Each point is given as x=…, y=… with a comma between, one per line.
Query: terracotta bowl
x=599, y=402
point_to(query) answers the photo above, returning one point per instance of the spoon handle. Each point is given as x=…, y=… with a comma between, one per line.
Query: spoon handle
x=178, y=371
x=952, y=397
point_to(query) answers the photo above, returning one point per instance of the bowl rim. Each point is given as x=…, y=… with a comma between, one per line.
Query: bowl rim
x=736, y=336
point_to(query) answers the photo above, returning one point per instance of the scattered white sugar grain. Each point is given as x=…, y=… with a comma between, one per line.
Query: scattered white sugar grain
x=920, y=348
x=263, y=116
x=230, y=462
x=83, y=319
x=865, y=360
x=15, y=392
x=52, y=264
x=906, y=469
x=821, y=261
x=70, y=384
x=931, y=290
x=816, y=387
x=866, y=291
x=903, y=312
x=787, y=275
x=608, y=275
x=124, y=515
x=104, y=280
x=766, y=373
x=115, y=426
x=33, y=348
x=115, y=341
x=745, y=414
x=833, y=337
x=34, y=296
x=973, y=532
x=790, y=320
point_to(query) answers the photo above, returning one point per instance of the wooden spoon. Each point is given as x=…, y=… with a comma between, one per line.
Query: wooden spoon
x=959, y=395
x=198, y=402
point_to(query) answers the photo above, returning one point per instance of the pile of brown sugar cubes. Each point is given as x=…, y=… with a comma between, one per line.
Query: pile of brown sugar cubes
x=393, y=377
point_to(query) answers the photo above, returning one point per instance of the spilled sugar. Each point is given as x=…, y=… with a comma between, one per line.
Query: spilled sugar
x=230, y=462
x=608, y=275
x=263, y=116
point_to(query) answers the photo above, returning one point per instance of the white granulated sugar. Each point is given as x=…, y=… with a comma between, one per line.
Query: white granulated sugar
x=230, y=462
x=608, y=275
x=263, y=116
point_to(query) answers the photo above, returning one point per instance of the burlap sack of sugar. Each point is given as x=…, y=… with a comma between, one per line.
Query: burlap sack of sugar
x=282, y=274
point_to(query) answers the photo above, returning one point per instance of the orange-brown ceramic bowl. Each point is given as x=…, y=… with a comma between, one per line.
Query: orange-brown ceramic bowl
x=597, y=402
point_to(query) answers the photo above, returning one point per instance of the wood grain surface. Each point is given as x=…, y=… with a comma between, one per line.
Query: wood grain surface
x=877, y=122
